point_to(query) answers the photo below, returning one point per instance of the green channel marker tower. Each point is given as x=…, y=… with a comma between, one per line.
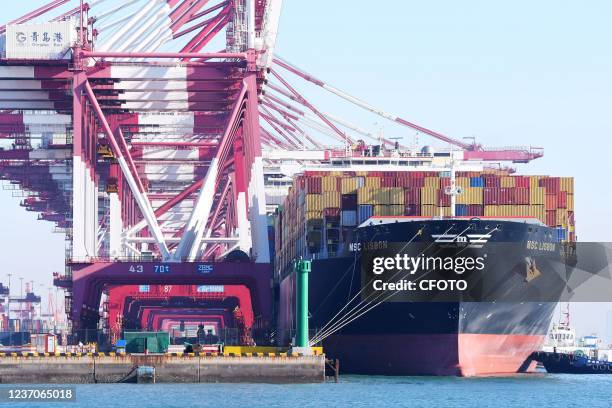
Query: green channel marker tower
x=302, y=269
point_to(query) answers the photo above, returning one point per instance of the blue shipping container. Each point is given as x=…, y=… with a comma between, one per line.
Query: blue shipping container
x=477, y=182
x=461, y=210
x=365, y=212
x=561, y=234
x=349, y=218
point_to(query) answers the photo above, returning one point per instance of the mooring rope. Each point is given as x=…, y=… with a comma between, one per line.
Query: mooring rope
x=355, y=314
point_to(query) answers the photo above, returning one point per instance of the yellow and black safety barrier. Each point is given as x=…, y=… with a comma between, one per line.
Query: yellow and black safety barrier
x=232, y=351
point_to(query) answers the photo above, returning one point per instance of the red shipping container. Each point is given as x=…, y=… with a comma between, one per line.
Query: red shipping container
x=445, y=182
x=552, y=184
x=521, y=195
x=314, y=185
x=562, y=199
x=393, y=174
x=475, y=210
x=551, y=201
x=412, y=209
x=387, y=181
x=403, y=182
x=506, y=195
x=551, y=218
x=443, y=199
x=570, y=218
x=417, y=182
x=521, y=181
x=412, y=196
x=491, y=196
x=492, y=181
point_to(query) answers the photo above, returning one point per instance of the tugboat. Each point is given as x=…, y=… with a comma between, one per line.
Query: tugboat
x=563, y=355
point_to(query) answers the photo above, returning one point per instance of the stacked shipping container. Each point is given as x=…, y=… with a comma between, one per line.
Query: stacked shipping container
x=322, y=207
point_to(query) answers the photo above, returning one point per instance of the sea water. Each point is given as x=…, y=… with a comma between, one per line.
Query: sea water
x=532, y=390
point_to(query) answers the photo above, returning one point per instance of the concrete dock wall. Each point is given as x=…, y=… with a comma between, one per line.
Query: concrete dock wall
x=168, y=369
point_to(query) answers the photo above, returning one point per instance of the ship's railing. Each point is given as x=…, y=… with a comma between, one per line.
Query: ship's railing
x=339, y=153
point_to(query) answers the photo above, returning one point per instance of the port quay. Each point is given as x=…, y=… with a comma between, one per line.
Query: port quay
x=224, y=218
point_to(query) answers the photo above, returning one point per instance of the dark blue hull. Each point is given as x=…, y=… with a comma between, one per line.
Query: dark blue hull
x=439, y=338
x=561, y=363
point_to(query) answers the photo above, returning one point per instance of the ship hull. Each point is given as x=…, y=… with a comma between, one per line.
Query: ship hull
x=465, y=354
x=427, y=338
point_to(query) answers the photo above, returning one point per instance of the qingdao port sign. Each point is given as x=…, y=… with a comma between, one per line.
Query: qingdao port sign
x=48, y=41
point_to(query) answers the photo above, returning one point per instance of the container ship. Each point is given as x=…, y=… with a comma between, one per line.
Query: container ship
x=330, y=212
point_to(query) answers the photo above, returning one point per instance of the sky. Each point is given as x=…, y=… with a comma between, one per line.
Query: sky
x=506, y=73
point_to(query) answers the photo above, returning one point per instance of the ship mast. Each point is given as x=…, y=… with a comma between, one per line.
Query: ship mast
x=453, y=190
x=566, y=314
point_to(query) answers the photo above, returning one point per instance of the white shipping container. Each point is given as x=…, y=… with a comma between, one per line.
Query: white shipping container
x=47, y=41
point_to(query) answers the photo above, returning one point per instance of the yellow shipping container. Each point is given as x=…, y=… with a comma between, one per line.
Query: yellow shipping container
x=570, y=202
x=470, y=195
x=522, y=210
x=538, y=211
x=432, y=182
x=463, y=182
x=534, y=181
x=313, y=215
x=331, y=199
x=491, y=210
x=507, y=181
x=567, y=184
x=314, y=202
x=562, y=216
x=537, y=195
x=365, y=195
x=389, y=210
x=372, y=182
x=348, y=185
x=434, y=211
x=428, y=210
x=329, y=183
x=380, y=210
x=381, y=196
x=429, y=195
x=396, y=209
x=396, y=196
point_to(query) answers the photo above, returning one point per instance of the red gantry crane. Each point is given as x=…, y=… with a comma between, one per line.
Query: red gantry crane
x=139, y=128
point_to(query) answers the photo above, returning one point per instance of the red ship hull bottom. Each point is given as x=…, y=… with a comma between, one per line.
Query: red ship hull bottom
x=436, y=354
